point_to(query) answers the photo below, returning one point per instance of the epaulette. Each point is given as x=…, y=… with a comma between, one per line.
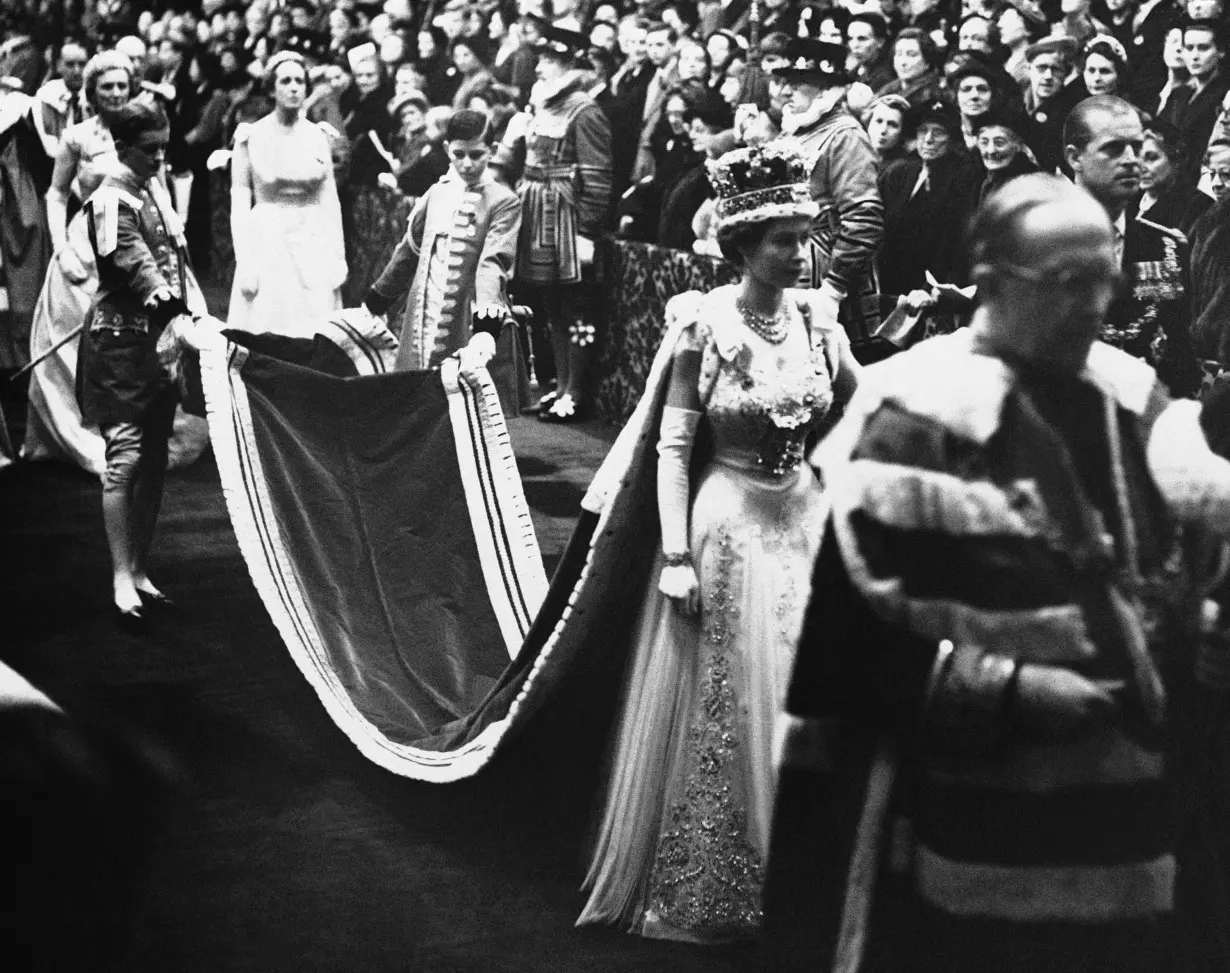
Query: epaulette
x=106, y=202
x=1169, y=231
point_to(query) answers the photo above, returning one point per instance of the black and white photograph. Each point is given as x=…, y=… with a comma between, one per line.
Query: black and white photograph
x=615, y=486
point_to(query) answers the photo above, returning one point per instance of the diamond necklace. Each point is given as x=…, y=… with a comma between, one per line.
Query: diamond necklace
x=771, y=327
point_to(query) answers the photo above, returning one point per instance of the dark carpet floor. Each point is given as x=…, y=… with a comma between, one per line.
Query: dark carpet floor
x=283, y=849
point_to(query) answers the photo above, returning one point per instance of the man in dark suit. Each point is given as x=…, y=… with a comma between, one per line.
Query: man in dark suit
x=1047, y=99
x=871, y=59
x=1193, y=110
x=1150, y=319
x=628, y=88
x=660, y=52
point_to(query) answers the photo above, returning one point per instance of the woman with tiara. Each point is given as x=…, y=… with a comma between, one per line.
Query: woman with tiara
x=54, y=426
x=742, y=383
x=286, y=220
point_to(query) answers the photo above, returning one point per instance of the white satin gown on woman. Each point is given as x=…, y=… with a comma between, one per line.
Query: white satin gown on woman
x=684, y=835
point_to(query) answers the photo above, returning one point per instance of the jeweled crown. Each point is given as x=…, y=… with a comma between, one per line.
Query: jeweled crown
x=761, y=182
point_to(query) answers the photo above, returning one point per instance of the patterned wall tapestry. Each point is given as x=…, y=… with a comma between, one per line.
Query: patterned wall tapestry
x=641, y=278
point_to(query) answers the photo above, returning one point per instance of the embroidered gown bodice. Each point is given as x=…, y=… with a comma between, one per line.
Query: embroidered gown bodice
x=288, y=165
x=761, y=413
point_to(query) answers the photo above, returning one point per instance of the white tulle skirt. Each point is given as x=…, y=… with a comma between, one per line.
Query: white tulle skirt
x=684, y=836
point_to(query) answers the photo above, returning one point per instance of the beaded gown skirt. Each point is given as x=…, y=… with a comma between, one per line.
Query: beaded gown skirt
x=684, y=837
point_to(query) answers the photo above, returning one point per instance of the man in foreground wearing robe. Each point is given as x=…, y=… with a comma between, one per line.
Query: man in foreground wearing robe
x=1005, y=608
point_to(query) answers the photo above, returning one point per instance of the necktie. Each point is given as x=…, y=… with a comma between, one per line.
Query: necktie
x=1118, y=244
x=924, y=181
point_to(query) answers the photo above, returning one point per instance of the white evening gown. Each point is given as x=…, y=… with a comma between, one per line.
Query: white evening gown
x=685, y=830
x=294, y=248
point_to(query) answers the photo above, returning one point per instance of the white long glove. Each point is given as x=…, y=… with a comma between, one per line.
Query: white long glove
x=678, y=433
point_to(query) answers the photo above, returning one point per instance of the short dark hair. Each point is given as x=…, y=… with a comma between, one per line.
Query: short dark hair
x=1078, y=129
x=136, y=118
x=686, y=11
x=774, y=44
x=658, y=27
x=878, y=25
x=476, y=45
x=1212, y=26
x=466, y=125
x=602, y=59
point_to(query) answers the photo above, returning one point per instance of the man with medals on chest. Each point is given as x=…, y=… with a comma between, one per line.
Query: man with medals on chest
x=1006, y=598
x=559, y=157
x=850, y=225
x=1150, y=319
x=121, y=383
x=455, y=260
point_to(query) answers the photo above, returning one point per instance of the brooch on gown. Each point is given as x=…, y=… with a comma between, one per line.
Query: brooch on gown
x=789, y=411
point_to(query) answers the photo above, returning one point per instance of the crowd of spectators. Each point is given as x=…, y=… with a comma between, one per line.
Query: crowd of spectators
x=957, y=96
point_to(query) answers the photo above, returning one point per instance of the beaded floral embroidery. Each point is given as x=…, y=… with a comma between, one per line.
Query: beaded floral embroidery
x=706, y=875
x=789, y=410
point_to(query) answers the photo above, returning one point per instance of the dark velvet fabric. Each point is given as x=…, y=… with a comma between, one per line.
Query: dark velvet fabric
x=369, y=501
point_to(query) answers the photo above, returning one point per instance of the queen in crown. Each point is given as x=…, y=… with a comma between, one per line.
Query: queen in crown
x=744, y=378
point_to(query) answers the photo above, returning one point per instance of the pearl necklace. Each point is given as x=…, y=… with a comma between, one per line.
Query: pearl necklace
x=772, y=328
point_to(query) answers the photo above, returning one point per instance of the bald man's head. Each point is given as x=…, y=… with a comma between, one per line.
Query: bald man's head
x=1044, y=261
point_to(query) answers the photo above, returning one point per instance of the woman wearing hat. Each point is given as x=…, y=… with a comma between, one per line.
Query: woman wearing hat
x=1000, y=140
x=979, y=84
x=1104, y=67
x=927, y=198
x=420, y=158
x=744, y=377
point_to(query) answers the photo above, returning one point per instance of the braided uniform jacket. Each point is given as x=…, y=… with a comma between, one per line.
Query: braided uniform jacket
x=565, y=184
x=1151, y=320
x=850, y=224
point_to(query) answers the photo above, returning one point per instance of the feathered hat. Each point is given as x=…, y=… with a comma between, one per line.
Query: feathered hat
x=761, y=182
